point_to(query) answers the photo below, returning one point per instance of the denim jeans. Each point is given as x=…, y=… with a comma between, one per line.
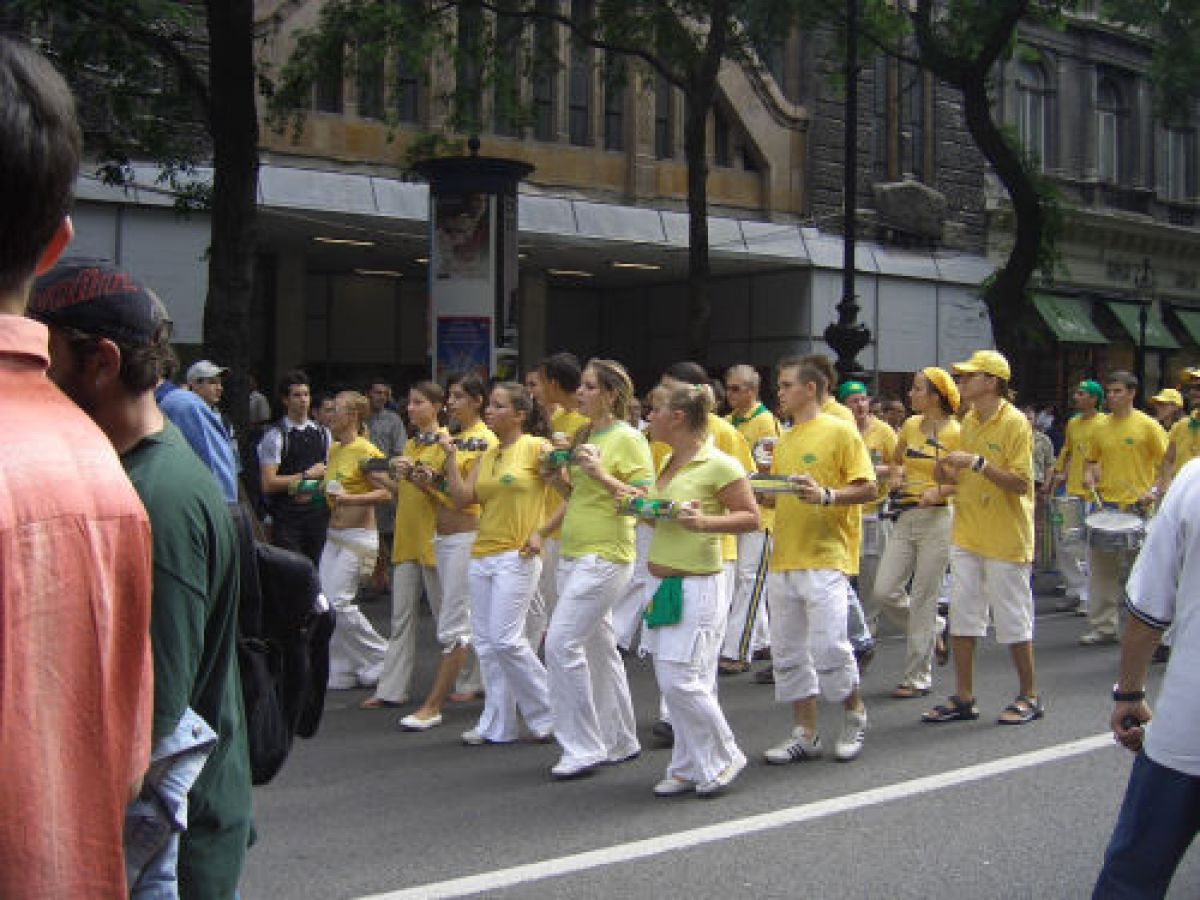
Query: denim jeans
x=1158, y=820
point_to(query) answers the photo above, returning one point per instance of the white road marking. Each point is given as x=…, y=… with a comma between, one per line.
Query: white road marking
x=739, y=828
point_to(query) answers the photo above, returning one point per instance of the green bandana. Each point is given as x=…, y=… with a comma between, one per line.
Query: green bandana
x=849, y=388
x=666, y=606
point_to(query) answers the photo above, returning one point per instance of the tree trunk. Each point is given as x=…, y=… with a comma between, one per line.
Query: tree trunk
x=1005, y=296
x=695, y=149
x=234, y=130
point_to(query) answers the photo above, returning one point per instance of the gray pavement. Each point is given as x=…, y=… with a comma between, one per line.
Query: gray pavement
x=363, y=809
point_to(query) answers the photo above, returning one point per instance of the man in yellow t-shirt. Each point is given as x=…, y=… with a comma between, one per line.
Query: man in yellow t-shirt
x=1071, y=549
x=746, y=633
x=1122, y=467
x=827, y=463
x=1183, y=441
x=991, y=551
x=881, y=445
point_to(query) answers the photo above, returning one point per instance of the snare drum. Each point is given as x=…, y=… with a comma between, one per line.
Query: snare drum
x=1111, y=530
x=1068, y=514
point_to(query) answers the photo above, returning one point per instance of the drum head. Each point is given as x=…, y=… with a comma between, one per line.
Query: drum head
x=1112, y=520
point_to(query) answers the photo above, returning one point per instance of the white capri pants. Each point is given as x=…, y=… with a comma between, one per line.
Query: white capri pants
x=589, y=691
x=408, y=578
x=356, y=649
x=980, y=586
x=453, y=612
x=809, y=647
x=514, y=679
x=685, y=656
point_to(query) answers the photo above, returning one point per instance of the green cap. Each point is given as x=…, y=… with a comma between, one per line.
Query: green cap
x=1093, y=387
x=848, y=388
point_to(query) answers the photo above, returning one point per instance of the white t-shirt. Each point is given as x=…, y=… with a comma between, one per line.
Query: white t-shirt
x=1164, y=588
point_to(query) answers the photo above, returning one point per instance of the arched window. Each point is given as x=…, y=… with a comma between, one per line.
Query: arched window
x=1180, y=164
x=1110, y=115
x=1032, y=111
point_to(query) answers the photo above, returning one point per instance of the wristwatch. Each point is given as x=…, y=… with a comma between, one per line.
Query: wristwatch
x=1121, y=696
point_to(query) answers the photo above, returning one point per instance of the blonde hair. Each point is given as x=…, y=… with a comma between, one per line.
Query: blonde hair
x=360, y=406
x=690, y=399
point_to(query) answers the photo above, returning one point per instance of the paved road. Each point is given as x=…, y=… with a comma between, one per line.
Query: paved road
x=958, y=810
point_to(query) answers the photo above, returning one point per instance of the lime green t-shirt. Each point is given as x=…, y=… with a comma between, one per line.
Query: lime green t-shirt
x=510, y=490
x=989, y=521
x=592, y=524
x=808, y=536
x=708, y=473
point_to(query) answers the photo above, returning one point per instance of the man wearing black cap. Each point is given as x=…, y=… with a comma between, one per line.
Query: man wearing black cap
x=74, y=548
x=108, y=342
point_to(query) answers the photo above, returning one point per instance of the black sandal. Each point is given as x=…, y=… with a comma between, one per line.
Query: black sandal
x=953, y=710
x=1024, y=708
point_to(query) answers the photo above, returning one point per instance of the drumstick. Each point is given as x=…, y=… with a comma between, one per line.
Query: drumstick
x=912, y=453
x=935, y=443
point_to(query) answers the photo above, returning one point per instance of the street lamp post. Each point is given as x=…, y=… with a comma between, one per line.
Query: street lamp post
x=1143, y=281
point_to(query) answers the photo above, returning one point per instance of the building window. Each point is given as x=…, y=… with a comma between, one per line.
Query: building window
x=507, y=95
x=1109, y=121
x=579, y=109
x=1032, y=108
x=327, y=94
x=664, y=120
x=912, y=122
x=408, y=88
x=1180, y=165
x=468, y=84
x=902, y=104
x=544, y=74
x=614, y=101
x=369, y=74
x=722, y=139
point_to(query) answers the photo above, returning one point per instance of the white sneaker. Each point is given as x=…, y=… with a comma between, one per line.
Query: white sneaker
x=673, y=787
x=799, y=746
x=566, y=770
x=724, y=777
x=414, y=723
x=472, y=738
x=854, y=732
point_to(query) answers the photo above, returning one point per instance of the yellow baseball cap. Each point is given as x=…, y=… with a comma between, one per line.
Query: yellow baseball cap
x=989, y=362
x=1168, y=395
x=1190, y=376
x=943, y=384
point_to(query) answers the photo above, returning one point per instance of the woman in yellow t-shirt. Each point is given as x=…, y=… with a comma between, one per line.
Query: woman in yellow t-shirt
x=454, y=534
x=712, y=497
x=919, y=546
x=505, y=565
x=413, y=566
x=589, y=691
x=351, y=545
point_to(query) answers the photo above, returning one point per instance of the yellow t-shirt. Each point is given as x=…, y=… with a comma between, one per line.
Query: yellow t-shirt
x=808, y=536
x=918, y=473
x=343, y=466
x=881, y=446
x=831, y=407
x=1185, y=439
x=659, y=453
x=567, y=421
x=1075, y=443
x=415, y=516
x=988, y=521
x=1129, y=451
x=761, y=423
x=510, y=489
x=592, y=524
x=465, y=459
x=708, y=473
x=727, y=439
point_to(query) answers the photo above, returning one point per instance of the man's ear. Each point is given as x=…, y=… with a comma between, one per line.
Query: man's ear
x=58, y=243
x=103, y=365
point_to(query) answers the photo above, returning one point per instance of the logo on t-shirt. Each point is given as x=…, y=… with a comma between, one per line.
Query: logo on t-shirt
x=1128, y=442
x=808, y=459
x=507, y=479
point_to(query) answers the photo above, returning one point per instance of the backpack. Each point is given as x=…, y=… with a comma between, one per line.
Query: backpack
x=284, y=627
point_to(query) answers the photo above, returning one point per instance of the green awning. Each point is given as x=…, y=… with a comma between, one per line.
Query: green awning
x=1190, y=320
x=1157, y=335
x=1068, y=318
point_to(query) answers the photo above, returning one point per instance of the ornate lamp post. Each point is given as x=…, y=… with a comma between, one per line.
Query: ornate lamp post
x=847, y=336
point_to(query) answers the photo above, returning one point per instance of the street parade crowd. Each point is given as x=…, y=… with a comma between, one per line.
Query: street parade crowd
x=550, y=528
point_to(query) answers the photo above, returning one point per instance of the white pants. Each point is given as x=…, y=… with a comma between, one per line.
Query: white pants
x=589, y=691
x=685, y=660
x=720, y=626
x=990, y=590
x=918, y=549
x=453, y=609
x=747, y=629
x=627, y=612
x=514, y=678
x=408, y=578
x=545, y=598
x=356, y=649
x=809, y=646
